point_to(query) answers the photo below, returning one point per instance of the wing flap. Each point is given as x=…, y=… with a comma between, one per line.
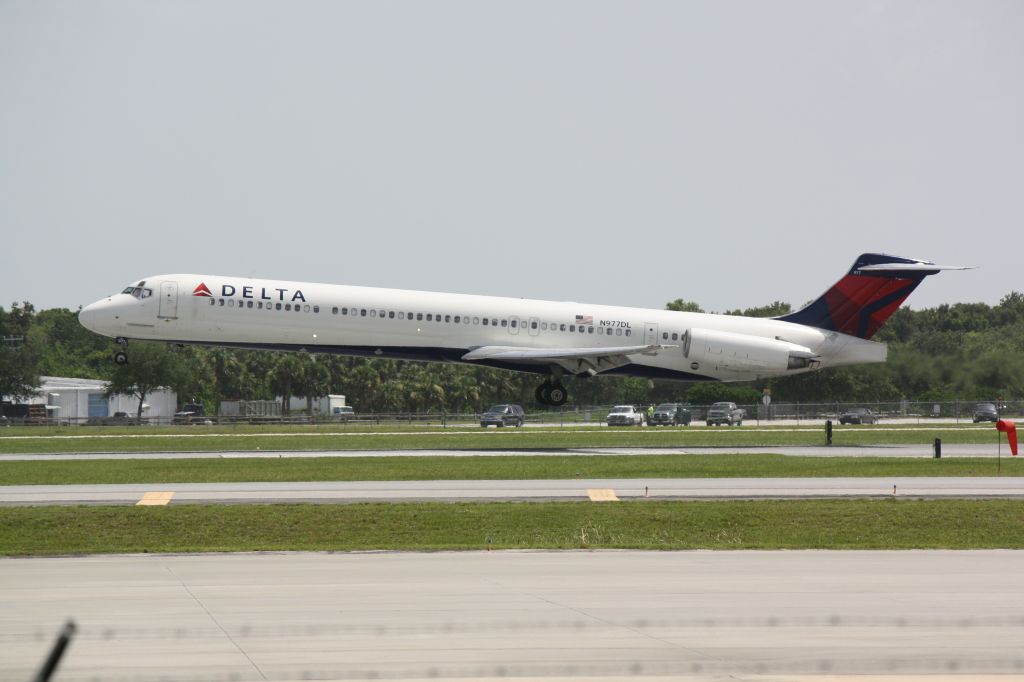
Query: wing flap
x=573, y=360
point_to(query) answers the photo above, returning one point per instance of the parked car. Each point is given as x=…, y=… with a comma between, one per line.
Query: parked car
x=985, y=412
x=625, y=415
x=190, y=413
x=670, y=414
x=343, y=414
x=858, y=415
x=503, y=415
x=725, y=413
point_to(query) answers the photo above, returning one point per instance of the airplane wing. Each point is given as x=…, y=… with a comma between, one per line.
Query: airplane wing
x=573, y=360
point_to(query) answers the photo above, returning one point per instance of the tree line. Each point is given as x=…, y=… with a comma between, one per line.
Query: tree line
x=966, y=351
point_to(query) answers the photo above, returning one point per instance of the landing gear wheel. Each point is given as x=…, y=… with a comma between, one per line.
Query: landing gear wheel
x=551, y=394
x=557, y=395
x=121, y=356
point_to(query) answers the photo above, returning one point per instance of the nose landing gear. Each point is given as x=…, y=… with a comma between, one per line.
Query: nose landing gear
x=121, y=356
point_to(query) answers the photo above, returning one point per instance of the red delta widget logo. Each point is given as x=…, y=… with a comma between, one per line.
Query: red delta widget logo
x=259, y=293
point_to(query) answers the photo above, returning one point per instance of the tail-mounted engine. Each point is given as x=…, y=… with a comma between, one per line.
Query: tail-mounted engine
x=711, y=350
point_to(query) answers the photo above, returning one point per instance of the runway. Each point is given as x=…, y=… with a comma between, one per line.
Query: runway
x=610, y=615
x=535, y=490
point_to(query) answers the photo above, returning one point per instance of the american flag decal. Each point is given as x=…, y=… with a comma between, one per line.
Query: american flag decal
x=584, y=319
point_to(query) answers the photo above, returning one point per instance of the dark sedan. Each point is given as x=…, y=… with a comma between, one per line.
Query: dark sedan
x=858, y=415
x=985, y=412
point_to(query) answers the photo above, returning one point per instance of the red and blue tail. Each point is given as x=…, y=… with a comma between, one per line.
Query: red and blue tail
x=861, y=302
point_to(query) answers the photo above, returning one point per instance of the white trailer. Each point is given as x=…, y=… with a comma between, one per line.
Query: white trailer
x=324, y=405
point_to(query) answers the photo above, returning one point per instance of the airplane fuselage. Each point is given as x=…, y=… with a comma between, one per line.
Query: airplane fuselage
x=511, y=333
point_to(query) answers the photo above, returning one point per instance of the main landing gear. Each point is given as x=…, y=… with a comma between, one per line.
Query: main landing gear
x=121, y=356
x=551, y=393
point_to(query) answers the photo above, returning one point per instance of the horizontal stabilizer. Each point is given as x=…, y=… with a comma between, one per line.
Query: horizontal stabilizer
x=930, y=268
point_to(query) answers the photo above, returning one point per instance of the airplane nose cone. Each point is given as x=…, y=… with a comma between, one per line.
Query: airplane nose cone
x=87, y=317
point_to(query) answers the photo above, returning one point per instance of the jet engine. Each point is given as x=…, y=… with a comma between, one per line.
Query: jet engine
x=728, y=351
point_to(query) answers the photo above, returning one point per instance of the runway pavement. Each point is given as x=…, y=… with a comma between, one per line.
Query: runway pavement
x=494, y=490
x=573, y=489
x=755, y=616
x=609, y=615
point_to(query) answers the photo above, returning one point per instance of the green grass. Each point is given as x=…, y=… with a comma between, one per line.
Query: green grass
x=797, y=524
x=647, y=524
x=244, y=438
x=512, y=467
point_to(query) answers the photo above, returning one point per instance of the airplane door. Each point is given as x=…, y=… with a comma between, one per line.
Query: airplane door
x=650, y=333
x=168, y=300
x=534, y=326
x=513, y=325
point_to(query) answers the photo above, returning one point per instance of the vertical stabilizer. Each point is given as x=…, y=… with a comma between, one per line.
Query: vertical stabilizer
x=861, y=302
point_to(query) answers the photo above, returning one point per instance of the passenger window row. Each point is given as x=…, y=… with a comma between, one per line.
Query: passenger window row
x=477, y=320
x=258, y=305
x=424, y=317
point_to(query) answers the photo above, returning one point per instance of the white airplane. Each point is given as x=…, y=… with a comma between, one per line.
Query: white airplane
x=545, y=337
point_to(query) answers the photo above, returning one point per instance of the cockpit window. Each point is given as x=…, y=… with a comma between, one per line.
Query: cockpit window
x=138, y=292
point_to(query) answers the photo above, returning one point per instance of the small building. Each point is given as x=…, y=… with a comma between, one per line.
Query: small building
x=74, y=401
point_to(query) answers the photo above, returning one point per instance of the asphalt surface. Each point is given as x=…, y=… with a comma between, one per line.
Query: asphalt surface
x=610, y=615
x=495, y=490
x=539, y=490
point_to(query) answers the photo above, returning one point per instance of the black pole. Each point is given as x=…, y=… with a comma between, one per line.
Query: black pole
x=938, y=448
x=63, y=639
x=828, y=432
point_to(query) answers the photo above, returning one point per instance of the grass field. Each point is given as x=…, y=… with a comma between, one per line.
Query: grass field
x=243, y=438
x=797, y=524
x=647, y=524
x=488, y=468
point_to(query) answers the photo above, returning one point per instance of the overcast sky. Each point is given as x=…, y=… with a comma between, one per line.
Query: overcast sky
x=630, y=153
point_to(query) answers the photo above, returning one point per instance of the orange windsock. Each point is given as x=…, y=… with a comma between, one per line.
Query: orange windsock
x=1010, y=429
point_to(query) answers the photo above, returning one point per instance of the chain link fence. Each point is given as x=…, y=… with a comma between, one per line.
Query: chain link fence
x=904, y=411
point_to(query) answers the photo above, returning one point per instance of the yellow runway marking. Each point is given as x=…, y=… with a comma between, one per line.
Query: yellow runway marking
x=602, y=495
x=155, y=499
